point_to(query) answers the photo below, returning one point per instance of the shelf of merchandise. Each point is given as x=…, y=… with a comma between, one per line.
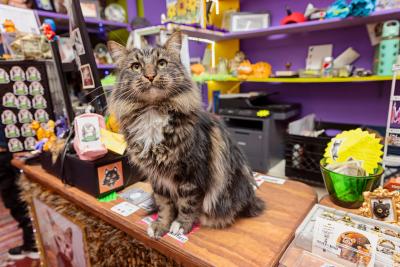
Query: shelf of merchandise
x=293, y=28
x=106, y=23
x=298, y=80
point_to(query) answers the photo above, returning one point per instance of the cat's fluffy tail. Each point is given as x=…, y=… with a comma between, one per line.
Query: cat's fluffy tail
x=253, y=208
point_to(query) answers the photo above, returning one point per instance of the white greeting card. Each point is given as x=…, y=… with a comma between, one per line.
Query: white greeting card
x=344, y=244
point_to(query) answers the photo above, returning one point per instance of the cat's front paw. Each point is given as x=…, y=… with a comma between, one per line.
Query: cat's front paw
x=157, y=230
x=178, y=227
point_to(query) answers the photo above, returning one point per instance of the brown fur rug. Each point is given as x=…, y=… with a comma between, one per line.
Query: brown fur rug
x=106, y=245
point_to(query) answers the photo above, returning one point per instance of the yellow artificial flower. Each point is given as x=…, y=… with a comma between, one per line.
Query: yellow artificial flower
x=191, y=5
x=181, y=8
x=171, y=12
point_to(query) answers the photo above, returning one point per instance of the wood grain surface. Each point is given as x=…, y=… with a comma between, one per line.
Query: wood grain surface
x=258, y=241
x=326, y=201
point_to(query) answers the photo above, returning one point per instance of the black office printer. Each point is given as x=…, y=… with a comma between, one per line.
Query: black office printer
x=257, y=124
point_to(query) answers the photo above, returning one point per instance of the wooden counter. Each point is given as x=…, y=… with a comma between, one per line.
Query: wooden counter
x=326, y=201
x=258, y=241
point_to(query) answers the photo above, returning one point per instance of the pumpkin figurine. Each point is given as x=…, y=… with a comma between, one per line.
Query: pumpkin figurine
x=197, y=69
x=245, y=69
x=9, y=26
x=261, y=70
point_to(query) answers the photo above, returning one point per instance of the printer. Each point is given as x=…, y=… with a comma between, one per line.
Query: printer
x=257, y=124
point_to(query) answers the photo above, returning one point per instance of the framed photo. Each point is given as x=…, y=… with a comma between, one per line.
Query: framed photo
x=77, y=42
x=382, y=205
x=62, y=241
x=90, y=9
x=44, y=5
x=87, y=77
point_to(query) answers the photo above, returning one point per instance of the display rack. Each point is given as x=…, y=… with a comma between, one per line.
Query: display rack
x=110, y=25
x=326, y=24
x=297, y=80
x=391, y=160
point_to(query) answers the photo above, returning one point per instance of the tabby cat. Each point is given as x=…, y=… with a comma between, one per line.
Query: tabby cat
x=196, y=171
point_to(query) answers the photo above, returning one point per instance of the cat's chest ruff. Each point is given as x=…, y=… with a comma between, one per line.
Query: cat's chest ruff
x=148, y=128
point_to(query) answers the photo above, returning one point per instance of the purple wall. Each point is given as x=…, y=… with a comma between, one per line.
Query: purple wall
x=363, y=103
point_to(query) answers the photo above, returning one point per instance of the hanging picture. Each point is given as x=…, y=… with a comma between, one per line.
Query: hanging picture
x=17, y=74
x=184, y=11
x=20, y=88
x=8, y=117
x=110, y=177
x=44, y=4
x=63, y=242
x=10, y=100
x=11, y=131
x=25, y=116
x=24, y=102
x=77, y=42
x=87, y=76
x=14, y=145
x=395, y=115
x=4, y=78
x=90, y=8
x=32, y=74
x=36, y=88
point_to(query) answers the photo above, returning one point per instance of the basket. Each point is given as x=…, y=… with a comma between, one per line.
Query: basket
x=303, y=154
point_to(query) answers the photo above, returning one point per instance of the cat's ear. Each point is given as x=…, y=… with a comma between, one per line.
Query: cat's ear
x=116, y=50
x=174, y=43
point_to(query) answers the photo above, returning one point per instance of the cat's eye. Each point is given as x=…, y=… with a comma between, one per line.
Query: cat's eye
x=162, y=63
x=136, y=66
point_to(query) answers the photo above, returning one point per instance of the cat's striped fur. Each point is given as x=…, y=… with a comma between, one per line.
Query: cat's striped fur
x=196, y=171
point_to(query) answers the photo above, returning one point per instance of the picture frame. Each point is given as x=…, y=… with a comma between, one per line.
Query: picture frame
x=44, y=5
x=90, y=8
x=382, y=205
x=62, y=240
x=87, y=77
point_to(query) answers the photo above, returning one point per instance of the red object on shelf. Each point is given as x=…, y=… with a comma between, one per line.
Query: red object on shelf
x=393, y=184
x=293, y=17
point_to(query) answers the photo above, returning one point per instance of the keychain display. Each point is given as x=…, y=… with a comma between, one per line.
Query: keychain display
x=17, y=74
x=24, y=102
x=32, y=74
x=36, y=88
x=4, y=77
x=20, y=88
x=8, y=117
x=11, y=131
x=25, y=96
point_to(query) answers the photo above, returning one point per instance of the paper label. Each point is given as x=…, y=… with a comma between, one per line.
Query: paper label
x=344, y=244
x=274, y=180
x=125, y=208
x=88, y=131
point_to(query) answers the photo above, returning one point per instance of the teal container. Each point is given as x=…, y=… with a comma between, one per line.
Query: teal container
x=347, y=191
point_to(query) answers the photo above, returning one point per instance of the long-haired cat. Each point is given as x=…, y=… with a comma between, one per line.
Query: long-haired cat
x=195, y=169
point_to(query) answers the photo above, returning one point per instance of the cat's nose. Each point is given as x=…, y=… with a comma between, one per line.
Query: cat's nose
x=149, y=77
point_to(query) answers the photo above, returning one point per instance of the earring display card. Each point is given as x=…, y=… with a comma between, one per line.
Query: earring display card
x=25, y=97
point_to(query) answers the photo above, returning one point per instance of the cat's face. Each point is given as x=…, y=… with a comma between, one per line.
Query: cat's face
x=111, y=176
x=381, y=210
x=150, y=75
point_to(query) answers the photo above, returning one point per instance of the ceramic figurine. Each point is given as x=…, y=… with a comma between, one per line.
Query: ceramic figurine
x=9, y=26
x=234, y=63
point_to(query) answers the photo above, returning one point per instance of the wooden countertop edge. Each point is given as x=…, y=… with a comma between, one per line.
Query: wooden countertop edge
x=298, y=222
x=136, y=232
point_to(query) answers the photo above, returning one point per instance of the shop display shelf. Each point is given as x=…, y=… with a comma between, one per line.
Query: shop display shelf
x=297, y=80
x=309, y=26
x=106, y=23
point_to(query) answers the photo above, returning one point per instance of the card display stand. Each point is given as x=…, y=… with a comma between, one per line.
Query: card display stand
x=300, y=251
x=25, y=96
